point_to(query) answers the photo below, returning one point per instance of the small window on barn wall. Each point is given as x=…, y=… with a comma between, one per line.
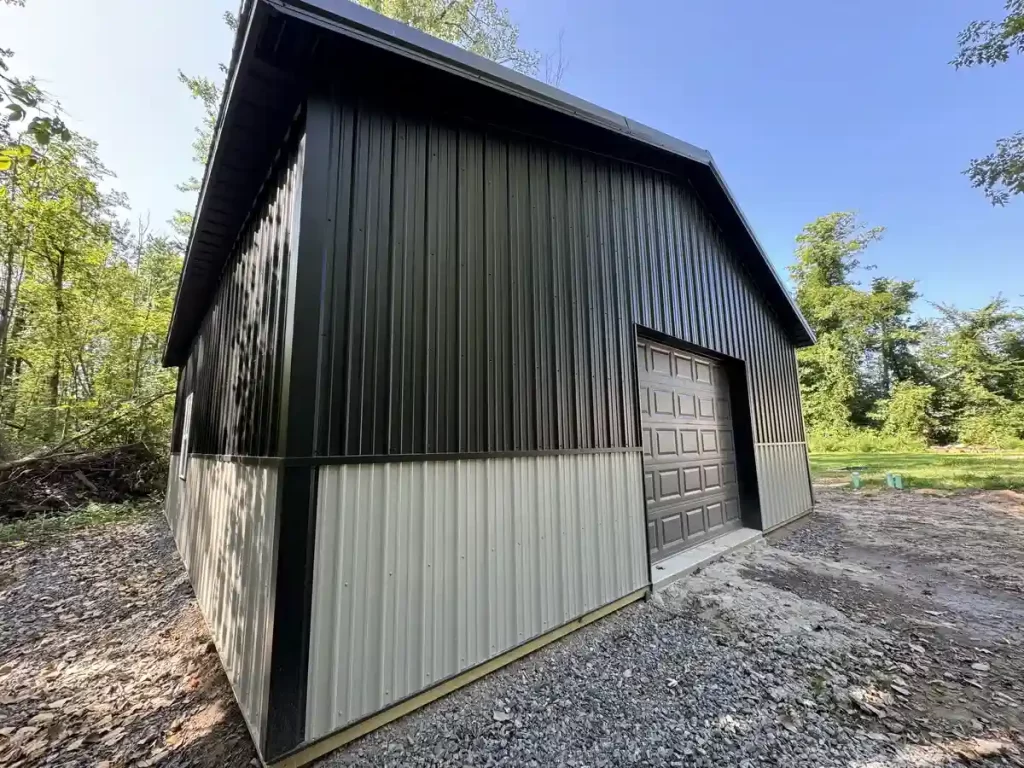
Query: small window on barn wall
x=186, y=427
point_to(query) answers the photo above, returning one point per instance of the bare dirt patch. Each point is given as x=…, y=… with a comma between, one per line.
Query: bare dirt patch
x=941, y=577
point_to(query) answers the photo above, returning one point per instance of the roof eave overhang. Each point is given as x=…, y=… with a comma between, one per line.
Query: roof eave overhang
x=180, y=331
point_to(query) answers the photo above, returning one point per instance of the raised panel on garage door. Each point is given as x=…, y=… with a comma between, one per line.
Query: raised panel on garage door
x=689, y=451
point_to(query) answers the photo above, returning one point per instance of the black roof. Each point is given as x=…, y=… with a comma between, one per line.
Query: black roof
x=282, y=46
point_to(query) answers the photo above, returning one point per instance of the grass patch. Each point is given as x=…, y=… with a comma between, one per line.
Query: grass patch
x=941, y=471
x=48, y=526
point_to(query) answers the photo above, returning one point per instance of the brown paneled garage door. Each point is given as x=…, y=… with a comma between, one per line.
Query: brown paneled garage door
x=689, y=451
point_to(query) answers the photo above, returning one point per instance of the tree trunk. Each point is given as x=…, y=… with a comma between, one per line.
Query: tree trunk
x=8, y=309
x=886, y=354
x=58, y=305
x=5, y=314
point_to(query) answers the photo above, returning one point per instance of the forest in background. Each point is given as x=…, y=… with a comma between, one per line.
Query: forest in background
x=882, y=377
x=86, y=289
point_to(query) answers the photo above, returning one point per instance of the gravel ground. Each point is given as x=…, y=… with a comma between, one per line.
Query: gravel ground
x=887, y=631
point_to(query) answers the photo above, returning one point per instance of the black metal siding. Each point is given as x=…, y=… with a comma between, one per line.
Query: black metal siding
x=233, y=368
x=486, y=286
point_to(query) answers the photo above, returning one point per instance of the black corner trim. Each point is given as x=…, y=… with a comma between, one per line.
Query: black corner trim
x=285, y=720
x=285, y=726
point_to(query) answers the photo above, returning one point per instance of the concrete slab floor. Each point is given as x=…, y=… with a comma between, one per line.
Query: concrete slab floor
x=679, y=565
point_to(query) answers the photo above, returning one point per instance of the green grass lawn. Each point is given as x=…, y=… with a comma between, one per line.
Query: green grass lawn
x=942, y=471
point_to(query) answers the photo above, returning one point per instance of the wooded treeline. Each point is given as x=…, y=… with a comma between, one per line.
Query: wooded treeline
x=884, y=377
x=85, y=300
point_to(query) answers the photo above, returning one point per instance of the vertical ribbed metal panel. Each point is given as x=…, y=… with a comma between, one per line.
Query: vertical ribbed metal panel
x=223, y=520
x=489, y=287
x=782, y=477
x=233, y=367
x=425, y=569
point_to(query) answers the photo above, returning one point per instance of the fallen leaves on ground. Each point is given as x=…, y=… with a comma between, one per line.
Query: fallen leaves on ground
x=105, y=659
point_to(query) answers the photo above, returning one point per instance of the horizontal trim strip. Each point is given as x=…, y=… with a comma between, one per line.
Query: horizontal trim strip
x=308, y=753
x=313, y=461
x=258, y=461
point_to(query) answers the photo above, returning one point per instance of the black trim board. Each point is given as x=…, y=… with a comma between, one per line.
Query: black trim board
x=386, y=458
x=638, y=333
x=296, y=493
x=743, y=436
x=643, y=332
x=466, y=456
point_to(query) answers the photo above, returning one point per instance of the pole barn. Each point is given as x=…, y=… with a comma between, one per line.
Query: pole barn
x=462, y=358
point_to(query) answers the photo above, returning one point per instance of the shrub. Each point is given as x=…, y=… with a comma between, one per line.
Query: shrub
x=906, y=412
x=991, y=430
x=863, y=441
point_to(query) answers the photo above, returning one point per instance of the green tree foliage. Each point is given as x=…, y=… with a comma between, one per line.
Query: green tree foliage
x=907, y=412
x=879, y=376
x=480, y=26
x=863, y=335
x=84, y=307
x=976, y=359
x=827, y=254
x=23, y=99
x=1000, y=175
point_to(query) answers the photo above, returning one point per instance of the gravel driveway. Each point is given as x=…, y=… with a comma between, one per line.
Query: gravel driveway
x=887, y=631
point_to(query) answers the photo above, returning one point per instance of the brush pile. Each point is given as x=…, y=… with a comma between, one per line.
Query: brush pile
x=61, y=482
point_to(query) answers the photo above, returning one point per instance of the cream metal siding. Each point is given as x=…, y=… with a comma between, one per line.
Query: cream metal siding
x=172, y=498
x=425, y=569
x=782, y=479
x=223, y=520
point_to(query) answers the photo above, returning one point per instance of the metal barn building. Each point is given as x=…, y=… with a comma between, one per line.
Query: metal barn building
x=461, y=356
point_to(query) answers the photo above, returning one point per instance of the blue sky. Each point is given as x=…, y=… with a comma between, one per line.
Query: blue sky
x=808, y=107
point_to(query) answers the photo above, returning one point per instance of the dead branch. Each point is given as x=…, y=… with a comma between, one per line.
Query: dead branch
x=55, y=450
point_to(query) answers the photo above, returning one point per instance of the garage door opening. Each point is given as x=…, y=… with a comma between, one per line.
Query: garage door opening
x=692, y=481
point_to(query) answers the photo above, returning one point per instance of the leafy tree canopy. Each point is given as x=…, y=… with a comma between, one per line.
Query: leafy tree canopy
x=480, y=26
x=878, y=369
x=1000, y=175
x=23, y=99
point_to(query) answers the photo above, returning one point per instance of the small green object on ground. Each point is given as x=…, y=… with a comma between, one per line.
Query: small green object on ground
x=894, y=480
x=855, y=480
